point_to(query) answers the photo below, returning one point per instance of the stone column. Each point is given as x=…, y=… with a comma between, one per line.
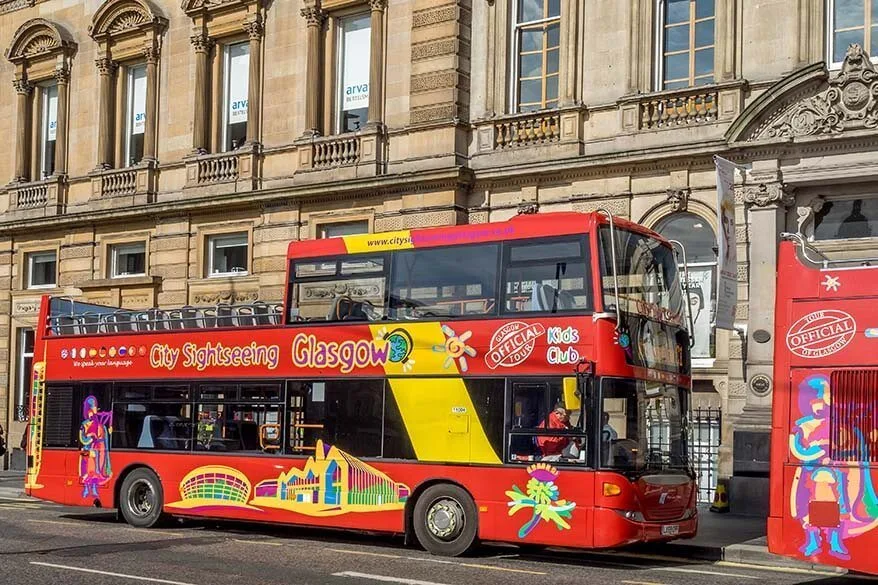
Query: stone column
x=315, y=17
x=567, y=64
x=254, y=84
x=62, y=78
x=24, y=90
x=376, y=62
x=107, y=70
x=202, y=44
x=152, y=81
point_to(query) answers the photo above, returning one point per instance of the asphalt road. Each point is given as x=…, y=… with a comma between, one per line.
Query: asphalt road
x=46, y=544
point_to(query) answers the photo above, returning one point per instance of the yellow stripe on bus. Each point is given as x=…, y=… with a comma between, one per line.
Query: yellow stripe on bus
x=382, y=242
x=438, y=413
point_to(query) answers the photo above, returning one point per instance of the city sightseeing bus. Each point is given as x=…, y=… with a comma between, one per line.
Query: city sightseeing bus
x=525, y=381
x=824, y=446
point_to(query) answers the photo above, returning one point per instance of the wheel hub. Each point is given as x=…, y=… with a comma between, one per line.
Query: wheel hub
x=445, y=519
x=141, y=498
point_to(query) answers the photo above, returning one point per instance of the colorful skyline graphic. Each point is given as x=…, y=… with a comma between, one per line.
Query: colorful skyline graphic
x=331, y=483
x=213, y=486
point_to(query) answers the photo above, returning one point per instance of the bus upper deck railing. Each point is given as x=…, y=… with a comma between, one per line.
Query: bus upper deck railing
x=85, y=319
x=823, y=261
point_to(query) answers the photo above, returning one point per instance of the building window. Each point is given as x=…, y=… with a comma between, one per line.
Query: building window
x=128, y=259
x=354, y=42
x=41, y=270
x=236, y=66
x=537, y=39
x=136, y=114
x=852, y=22
x=346, y=228
x=846, y=219
x=699, y=240
x=686, y=43
x=25, y=364
x=227, y=255
x=49, y=129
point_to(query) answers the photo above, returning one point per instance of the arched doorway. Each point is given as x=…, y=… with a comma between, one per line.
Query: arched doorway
x=699, y=239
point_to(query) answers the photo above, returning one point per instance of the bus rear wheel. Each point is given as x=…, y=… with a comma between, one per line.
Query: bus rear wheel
x=446, y=520
x=141, y=498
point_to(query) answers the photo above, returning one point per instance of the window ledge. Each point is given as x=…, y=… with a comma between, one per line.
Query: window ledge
x=121, y=281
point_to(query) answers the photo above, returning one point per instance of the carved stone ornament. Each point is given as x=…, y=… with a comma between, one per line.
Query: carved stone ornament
x=313, y=15
x=806, y=213
x=22, y=86
x=201, y=43
x=766, y=194
x=850, y=101
x=678, y=198
x=526, y=208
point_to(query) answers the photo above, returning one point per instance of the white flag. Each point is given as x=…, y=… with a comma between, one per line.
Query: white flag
x=727, y=265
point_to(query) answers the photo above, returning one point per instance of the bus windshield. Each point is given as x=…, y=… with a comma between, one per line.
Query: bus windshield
x=648, y=277
x=643, y=426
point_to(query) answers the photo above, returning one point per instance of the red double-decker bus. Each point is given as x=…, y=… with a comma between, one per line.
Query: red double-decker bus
x=824, y=446
x=525, y=381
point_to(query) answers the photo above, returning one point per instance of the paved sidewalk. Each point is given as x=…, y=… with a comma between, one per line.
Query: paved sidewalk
x=11, y=484
x=728, y=537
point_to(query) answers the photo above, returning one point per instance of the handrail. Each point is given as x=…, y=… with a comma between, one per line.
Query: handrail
x=615, y=270
x=824, y=261
x=686, y=291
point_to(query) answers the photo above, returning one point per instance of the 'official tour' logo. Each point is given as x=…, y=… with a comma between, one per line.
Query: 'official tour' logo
x=821, y=333
x=512, y=344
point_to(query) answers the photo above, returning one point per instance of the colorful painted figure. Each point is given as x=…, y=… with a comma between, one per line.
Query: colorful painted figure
x=94, y=436
x=542, y=497
x=831, y=503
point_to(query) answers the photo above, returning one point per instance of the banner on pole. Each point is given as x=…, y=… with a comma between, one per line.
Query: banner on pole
x=727, y=263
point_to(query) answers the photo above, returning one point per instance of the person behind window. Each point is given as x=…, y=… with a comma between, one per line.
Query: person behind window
x=608, y=433
x=855, y=225
x=558, y=419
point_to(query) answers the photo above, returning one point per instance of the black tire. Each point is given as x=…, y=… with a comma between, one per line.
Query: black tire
x=141, y=499
x=445, y=520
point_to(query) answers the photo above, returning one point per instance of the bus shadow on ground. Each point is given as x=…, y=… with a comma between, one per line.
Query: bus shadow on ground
x=393, y=544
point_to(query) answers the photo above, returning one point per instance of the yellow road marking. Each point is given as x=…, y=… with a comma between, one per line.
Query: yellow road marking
x=364, y=553
x=262, y=542
x=53, y=522
x=793, y=570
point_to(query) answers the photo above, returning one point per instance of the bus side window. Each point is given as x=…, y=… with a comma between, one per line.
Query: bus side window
x=546, y=277
x=234, y=424
x=537, y=406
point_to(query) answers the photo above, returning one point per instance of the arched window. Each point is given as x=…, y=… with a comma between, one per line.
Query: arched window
x=699, y=239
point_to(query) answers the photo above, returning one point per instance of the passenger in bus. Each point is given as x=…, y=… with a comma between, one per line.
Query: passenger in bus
x=554, y=448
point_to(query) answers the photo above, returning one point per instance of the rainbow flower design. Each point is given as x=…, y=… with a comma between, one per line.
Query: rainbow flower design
x=542, y=497
x=455, y=348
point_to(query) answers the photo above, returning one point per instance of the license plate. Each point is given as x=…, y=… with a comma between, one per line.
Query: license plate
x=671, y=530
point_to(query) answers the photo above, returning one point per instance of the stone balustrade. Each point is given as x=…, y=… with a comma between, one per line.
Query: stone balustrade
x=336, y=151
x=679, y=108
x=218, y=168
x=32, y=196
x=527, y=130
x=119, y=182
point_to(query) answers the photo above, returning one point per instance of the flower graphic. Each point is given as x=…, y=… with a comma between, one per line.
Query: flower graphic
x=455, y=347
x=542, y=497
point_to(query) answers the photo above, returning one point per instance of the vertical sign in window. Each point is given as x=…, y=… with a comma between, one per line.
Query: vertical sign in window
x=25, y=364
x=353, y=67
x=687, y=43
x=136, y=114
x=41, y=269
x=235, y=112
x=853, y=22
x=50, y=129
x=538, y=40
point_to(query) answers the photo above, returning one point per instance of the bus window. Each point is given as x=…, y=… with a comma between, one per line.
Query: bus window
x=648, y=277
x=546, y=277
x=350, y=289
x=643, y=425
x=233, y=427
x=152, y=425
x=444, y=282
x=538, y=407
x=346, y=414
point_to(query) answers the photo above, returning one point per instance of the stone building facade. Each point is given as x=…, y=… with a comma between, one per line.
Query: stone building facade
x=165, y=153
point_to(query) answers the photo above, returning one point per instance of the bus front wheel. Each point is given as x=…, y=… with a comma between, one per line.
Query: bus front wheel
x=141, y=498
x=446, y=520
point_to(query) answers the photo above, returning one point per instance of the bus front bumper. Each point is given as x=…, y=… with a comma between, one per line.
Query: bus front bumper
x=613, y=529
